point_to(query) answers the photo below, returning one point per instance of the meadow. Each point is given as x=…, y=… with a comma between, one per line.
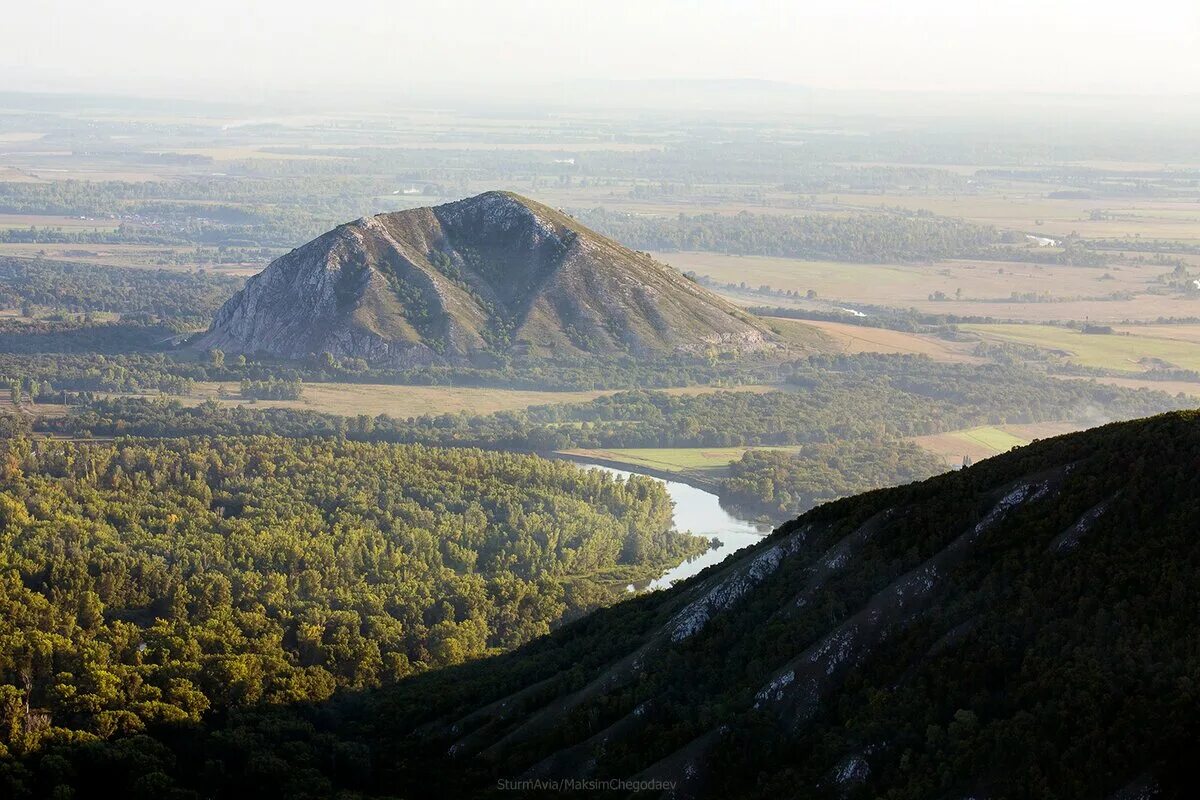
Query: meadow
x=969, y=287
x=702, y=464
x=846, y=338
x=1129, y=351
x=986, y=441
x=414, y=401
x=1028, y=207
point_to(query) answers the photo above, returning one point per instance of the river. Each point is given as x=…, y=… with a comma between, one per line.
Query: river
x=698, y=512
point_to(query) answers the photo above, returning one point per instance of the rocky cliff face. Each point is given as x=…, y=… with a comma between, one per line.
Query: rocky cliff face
x=491, y=274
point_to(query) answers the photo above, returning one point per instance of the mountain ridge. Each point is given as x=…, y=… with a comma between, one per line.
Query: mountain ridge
x=490, y=276
x=1022, y=628
x=918, y=641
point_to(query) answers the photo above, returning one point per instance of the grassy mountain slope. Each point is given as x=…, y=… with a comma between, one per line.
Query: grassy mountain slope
x=489, y=275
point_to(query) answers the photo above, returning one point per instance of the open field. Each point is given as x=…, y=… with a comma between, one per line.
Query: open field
x=857, y=339
x=241, y=153
x=1034, y=212
x=533, y=146
x=74, y=224
x=1122, y=352
x=143, y=256
x=400, y=401
x=1189, y=388
x=987, y=440
x=412, y=401
x=972, y=288
x=804, y=336
x=668, y=459
x=1182, y=333
x=704, y=463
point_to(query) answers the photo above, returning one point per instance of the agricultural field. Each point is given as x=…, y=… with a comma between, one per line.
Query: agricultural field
x=703, y=463
x=396, y=401
x=413, y=401
x=971, y=288
x=988, y=440
x=852, y=339
x=1182, y=333
x=142, y=256
x=1028, y=208
x=1186, y=388
x=1131, y=351
x=19, y=221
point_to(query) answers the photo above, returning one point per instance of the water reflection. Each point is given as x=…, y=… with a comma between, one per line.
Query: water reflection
x=699, y=512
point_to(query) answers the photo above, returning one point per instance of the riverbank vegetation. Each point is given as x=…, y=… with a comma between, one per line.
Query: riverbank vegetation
x=151, y=582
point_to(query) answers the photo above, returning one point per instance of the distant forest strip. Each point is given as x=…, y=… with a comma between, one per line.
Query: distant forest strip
x=894, y=236
x=834, y=398
x=73, y=287
x=866, y=237
x=850, y=416
x=59, y=353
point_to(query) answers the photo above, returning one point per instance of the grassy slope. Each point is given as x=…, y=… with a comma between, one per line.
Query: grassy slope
x=1109, y=351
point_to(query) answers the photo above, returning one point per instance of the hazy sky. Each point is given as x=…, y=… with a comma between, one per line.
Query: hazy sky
x=249, y=47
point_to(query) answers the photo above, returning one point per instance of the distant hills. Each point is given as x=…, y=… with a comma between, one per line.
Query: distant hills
x=492, y=275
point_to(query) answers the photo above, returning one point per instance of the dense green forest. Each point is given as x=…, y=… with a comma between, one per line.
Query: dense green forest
x=1050, y=654
x=148, y=582
x=782, y=484
x=188, y=298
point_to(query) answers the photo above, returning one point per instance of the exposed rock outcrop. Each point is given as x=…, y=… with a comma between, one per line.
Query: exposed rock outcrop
x=489, y=275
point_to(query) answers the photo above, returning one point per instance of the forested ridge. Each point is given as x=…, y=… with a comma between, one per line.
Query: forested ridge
x=1021, y=628
x=150, y=582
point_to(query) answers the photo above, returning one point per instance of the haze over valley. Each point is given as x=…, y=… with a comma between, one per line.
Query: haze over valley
x=407, y=401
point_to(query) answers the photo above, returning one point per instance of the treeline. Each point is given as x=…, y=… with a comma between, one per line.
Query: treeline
x=776, y=484
x=850, y=414
x=33, y=354
x=87, y=372
x=152, y=582
x=863, y=238
x=836, y=398
x=783, y=484
x=272, y=389
x=76, y=288
x=84, y=336
x=240, y=211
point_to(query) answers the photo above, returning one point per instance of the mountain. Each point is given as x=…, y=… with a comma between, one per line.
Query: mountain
x=1022, y=628
x=492, y=274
